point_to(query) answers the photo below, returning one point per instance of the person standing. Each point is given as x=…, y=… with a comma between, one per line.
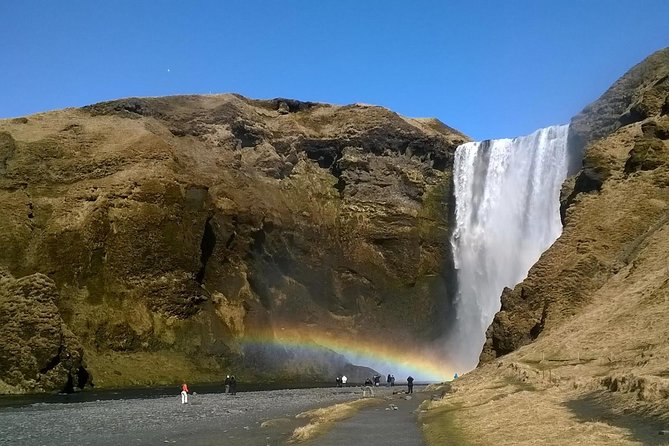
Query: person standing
x=410, y=384
x=233, y=385
x=343, y=380
x=227, y=384
x=184, y=393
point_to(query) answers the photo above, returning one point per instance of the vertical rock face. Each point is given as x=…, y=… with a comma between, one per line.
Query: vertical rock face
x=616, y=203
x=174, y=228
x=39, y=352
x=638, y=96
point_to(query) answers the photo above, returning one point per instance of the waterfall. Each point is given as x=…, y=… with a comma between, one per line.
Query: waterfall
x=507, y=213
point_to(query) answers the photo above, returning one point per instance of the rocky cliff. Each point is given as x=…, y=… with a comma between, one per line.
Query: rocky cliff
x=142, y=239
x=612, y=207
x=578, y=353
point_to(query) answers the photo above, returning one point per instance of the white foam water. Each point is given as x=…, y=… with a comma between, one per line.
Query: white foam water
x=507, y=213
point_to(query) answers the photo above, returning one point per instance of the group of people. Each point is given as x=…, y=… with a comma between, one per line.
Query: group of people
x=390, y=381
x=341, y=380
x=230, y=387
x=375, y=380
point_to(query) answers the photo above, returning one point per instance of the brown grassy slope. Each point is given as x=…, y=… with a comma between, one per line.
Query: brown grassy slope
x=600, y=378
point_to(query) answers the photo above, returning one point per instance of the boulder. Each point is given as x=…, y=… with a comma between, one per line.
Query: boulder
x=37, y=350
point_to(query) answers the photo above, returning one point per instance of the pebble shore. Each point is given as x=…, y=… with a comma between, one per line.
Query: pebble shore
x=208, y=419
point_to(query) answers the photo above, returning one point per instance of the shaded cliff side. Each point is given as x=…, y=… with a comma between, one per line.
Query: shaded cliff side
x=163, y=231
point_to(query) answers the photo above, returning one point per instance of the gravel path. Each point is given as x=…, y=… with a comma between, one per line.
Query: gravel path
x=209, y=419
x=379, y=425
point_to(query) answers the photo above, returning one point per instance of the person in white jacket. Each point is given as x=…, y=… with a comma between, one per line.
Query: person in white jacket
x=184, y=394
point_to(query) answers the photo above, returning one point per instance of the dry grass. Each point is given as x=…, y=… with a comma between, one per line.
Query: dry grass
x=492, y=406
x=440, y=427
x=532, y=396
x=119, y=369
x=598, y=374
x=322, y=419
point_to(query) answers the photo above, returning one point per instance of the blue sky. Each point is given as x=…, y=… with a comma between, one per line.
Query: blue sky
x=489, y=68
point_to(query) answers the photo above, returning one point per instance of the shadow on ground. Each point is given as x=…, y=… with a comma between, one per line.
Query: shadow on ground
x=600, y=407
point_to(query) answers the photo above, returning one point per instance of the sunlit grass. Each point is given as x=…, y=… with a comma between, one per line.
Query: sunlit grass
x=322, y=419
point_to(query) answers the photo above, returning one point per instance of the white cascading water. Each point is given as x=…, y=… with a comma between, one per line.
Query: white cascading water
x=507, y=212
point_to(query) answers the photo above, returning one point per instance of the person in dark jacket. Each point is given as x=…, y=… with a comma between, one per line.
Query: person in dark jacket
x=233, y=385
x=410, y=384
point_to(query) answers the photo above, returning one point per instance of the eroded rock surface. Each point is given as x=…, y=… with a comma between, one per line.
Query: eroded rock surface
x=580, y=347
x=39, y=352
x=171, y=228
x=616, y=203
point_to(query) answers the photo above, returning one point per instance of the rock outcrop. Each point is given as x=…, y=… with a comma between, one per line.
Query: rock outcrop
x=38, y=351
x=616, y=203
x=173, y=228
x=578, y=354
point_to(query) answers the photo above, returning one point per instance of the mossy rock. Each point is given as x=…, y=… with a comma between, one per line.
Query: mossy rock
x=647, y=154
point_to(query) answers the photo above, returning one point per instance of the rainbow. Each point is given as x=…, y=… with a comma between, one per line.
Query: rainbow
x=422, y=364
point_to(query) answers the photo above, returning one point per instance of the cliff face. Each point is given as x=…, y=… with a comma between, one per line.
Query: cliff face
x=614, y=206
x=144, y=238
x=580, y=346
x=38, y=348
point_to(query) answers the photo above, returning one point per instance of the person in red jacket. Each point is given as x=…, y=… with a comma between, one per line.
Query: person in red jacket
x=184, y=393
